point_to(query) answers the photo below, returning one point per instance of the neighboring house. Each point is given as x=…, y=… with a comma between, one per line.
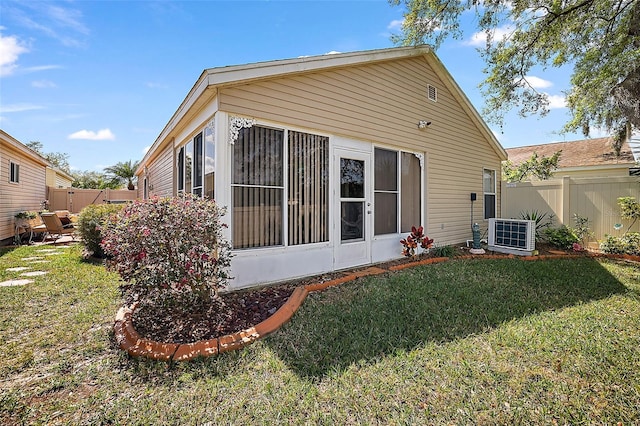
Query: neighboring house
x=57, y=178
x=582, y=158
x=325, y=162
x=22, y=181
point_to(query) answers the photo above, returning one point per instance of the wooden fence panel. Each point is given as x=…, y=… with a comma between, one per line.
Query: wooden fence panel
x=594, y=198
x=75, y=199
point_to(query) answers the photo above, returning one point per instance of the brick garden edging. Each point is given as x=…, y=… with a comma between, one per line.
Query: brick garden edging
x=130, y=341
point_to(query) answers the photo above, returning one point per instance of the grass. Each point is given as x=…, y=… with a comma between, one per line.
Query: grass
x=462, y=342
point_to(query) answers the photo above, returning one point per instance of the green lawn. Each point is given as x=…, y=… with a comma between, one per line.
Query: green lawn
x=461, y=342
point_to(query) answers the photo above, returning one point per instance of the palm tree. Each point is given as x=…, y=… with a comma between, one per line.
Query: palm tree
x=124, y=172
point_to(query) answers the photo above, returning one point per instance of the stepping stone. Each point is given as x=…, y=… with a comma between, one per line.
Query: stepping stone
x=52, y=253
x=12, y=283
x=32, y=258
x=18, y=269
x=48, y=251
x=33, y=274
x=40, y=261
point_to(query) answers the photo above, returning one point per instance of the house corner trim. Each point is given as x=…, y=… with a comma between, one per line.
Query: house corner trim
x=236, y=124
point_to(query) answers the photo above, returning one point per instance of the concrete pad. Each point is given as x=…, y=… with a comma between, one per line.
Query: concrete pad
x=33, y=274
x=13, y=283
x=18, y=269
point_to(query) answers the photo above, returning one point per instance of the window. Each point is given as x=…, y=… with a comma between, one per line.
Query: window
x=489, y=188
x=410, y=192
x=180, y=170
x=14, y=172
x=385, y=191
x=397, y=191
x=258, y=188
x=197, y=165
x=308, y=188
x=209, y=162
x=189, y=167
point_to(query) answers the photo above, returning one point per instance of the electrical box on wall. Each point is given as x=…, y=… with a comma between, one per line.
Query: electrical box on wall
x=473, y=196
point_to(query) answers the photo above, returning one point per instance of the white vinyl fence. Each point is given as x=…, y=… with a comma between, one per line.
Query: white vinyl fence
x=593, y=198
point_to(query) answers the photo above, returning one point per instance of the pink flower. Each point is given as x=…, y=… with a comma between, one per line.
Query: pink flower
x=577, y=247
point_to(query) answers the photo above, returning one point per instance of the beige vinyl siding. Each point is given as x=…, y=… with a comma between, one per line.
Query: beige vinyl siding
x=25, y=195
x=382, y=103
x=160, y=175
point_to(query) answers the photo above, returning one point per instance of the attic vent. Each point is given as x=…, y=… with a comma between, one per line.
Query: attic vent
x=433, y=93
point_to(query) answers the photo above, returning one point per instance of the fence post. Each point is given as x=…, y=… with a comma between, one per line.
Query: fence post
x=565, y=206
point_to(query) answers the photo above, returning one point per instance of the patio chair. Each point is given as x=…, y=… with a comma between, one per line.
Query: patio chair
x=55, y=228
x=37, y=227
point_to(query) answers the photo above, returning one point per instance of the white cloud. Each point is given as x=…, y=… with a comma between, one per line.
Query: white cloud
x=41, y=68
x=395, y=25
x=557, y=101
x=153, y=85
x=10, y=50
x=333, y=52
x=100, y=135
x=537, y=82
x=480, y=38
x=19, y=107
x=43, y=84
x=146, y=149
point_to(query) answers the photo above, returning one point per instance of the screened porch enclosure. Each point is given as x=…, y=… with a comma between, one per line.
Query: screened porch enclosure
x=266, y=172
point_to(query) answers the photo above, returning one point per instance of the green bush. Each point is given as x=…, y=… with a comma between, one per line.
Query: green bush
x=444, y=251
x=562, y=237
x=627, y=244
x=90, y=222
x=170, y=251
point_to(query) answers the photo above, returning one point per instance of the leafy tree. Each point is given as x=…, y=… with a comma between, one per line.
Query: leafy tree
x=57, y=159
x=541, y=168
x=124, y=173
x=93, y=180
x=600, y=39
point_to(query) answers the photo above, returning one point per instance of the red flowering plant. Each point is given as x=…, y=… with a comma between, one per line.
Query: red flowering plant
x=415, y=239
x=169, y=249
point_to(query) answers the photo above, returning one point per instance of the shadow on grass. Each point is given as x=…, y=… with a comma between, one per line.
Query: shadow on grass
x=377, y=316
x=6, y=250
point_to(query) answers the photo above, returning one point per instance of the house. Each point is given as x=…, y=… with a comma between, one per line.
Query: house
x=582, y=158
x=57, y=178
x=22, y=181
x=325, y=162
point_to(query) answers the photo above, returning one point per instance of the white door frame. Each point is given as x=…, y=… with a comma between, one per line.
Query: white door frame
x=353, y=233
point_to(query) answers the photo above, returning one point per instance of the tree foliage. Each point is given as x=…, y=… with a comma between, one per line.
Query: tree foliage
x=600, y=39
x=539, y=167
x=93, y=180
x=59, y=160
x=124, y=173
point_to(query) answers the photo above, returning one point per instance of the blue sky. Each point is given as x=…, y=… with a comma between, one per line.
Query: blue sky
x=100, y=79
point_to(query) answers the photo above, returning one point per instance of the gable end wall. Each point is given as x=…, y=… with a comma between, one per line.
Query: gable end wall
x=382, y=103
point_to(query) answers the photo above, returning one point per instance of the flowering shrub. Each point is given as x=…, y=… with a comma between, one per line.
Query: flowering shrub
x=170, y=248
x=415, y=239
x=90, y=223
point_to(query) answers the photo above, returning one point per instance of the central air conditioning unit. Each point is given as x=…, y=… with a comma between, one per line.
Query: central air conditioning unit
x=512, y=236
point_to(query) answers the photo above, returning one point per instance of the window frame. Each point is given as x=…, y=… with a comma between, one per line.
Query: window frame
x=14, y=172
x=486, y=194
x=288, y=241
x=186, y=182
x=399, y=190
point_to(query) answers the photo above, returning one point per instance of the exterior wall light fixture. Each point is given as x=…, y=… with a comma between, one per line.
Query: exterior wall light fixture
x=422, y=124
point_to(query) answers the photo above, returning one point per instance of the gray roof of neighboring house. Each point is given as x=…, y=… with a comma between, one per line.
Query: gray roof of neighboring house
x=579, y=153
